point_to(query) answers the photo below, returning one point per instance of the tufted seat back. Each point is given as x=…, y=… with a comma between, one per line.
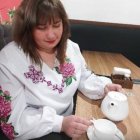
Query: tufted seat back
x=5, y=35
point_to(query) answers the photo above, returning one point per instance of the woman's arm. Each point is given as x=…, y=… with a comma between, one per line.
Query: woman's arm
x=90, y=85
x=18, y=119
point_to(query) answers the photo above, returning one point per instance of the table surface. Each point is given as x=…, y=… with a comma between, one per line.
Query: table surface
x=103, y=63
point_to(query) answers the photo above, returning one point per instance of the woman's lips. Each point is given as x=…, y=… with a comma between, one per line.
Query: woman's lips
x=51, y=42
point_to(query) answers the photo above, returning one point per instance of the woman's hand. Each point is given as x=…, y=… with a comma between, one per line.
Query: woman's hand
x=112, y=87
x=75, y=126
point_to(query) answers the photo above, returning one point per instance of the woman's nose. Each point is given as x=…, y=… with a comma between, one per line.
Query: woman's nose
x=50, y=33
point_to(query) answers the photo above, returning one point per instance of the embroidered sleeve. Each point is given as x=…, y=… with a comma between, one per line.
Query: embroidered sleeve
x=90, y=85
x=5, y=112
x=18, y=119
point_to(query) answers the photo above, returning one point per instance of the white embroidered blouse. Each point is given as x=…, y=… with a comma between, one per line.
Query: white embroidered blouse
x=33, y=102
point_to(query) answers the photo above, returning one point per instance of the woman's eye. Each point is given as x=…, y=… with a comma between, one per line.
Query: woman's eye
x=56, y=25
x=41, y=27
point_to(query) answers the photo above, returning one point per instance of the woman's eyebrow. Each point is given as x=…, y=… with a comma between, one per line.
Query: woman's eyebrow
x=57, y=21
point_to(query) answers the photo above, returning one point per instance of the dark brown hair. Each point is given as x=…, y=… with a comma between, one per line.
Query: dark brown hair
x=31, y=13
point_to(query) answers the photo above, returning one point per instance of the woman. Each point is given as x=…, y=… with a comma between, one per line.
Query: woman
x=40, y=72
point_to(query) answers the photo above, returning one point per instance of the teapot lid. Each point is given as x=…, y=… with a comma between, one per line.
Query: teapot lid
x=117, y=96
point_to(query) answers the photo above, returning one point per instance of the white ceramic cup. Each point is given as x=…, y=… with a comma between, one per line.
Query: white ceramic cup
x=105, y=129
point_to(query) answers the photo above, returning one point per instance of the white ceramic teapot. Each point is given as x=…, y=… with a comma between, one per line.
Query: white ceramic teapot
x=115, y=106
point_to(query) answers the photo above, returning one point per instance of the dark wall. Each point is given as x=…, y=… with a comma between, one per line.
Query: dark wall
x=95, y=36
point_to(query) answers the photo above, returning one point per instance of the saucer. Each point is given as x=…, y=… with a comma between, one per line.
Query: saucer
x=91, y=135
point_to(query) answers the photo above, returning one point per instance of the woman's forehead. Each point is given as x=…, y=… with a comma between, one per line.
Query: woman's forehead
x=49, y=20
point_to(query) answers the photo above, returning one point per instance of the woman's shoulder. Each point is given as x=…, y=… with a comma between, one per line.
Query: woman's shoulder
x=12, y=46
x=10, y=52
x=72, y=46
x=71, y=43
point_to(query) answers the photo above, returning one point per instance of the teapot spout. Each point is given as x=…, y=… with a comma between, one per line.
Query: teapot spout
x=112, y=105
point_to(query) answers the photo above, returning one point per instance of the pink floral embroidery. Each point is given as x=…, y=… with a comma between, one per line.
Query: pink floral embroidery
x=36, y=76
x=5, y=111
x=8, y=130
x=5, y=107
x=67, y=70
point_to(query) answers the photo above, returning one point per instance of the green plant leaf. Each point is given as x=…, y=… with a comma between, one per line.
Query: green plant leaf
x=68, y=81
x=74, y=78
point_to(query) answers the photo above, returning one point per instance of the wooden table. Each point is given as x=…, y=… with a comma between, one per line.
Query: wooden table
x=103, y=63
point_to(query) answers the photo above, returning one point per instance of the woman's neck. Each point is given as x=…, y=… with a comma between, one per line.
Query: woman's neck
x=46, y=51
x=48, y=57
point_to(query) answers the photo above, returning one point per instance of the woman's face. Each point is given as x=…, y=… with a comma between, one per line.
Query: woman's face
x=48, y=36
